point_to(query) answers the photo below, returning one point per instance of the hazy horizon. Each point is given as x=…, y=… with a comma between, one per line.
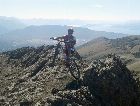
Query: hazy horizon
x=86, y=10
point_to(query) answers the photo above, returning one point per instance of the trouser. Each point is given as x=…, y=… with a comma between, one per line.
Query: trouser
x=68, y=50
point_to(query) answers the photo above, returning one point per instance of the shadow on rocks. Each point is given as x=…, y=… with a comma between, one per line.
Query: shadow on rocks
x=106, y=83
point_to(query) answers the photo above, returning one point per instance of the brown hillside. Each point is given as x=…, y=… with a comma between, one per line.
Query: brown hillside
x=100, y=47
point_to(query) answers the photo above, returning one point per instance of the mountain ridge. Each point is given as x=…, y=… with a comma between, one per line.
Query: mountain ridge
x=125, y=44
x=38, y=35
x=8, y=24
x=27, y=79
x=128, y=48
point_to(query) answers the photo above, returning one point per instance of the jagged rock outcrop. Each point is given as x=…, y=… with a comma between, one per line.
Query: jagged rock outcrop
x=105, y=83
x=28, y=78
x=27, y=75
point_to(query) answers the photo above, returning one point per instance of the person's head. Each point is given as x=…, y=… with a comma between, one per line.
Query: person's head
x=70, y=31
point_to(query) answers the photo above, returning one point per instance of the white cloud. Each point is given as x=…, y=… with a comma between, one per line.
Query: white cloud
x=99, y=6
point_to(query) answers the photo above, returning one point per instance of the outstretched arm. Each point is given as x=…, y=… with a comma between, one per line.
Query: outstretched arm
x=57, y=38
x=62, y=37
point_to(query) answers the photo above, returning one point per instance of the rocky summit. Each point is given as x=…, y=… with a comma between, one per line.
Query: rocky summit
x=28, y=78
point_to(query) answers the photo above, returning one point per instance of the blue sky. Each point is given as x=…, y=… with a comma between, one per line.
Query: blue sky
x=118, y=10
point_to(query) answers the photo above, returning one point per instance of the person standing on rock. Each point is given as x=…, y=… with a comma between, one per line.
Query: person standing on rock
x=69, y=41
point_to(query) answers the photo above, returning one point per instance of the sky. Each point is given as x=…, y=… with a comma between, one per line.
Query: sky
x=113, y=10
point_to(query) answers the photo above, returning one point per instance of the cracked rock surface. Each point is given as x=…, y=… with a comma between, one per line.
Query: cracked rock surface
x=28, y=79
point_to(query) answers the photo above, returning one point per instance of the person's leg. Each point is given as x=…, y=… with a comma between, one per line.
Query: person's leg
x=67, y=52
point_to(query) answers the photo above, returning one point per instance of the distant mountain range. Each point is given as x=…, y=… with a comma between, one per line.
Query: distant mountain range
x=9, y=24
x=127, y=27
x=38, y=35
x=131, y=27
x=16, y=33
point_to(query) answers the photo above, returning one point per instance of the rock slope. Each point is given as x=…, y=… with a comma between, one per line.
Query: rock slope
x=107, y=83
x=28, y=79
